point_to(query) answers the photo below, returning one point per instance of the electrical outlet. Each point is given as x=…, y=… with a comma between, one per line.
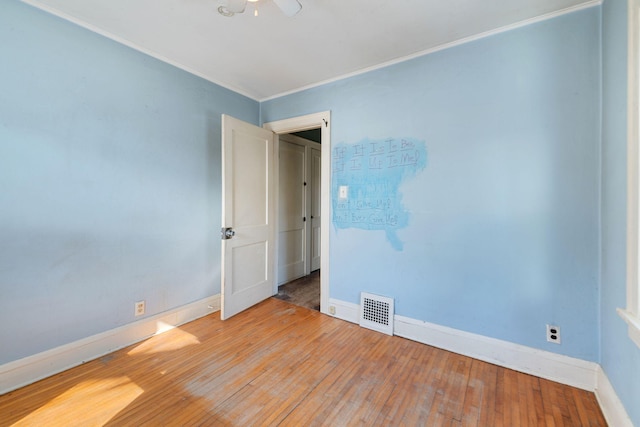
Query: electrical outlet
x=139, y=308
x=553, y=334
x=332, y=309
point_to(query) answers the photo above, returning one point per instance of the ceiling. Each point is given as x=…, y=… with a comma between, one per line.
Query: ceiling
x=271, y=54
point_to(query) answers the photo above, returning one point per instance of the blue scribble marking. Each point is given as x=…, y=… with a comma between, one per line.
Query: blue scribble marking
x=373, y=171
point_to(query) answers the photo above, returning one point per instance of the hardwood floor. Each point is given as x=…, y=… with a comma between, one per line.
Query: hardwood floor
x=280, y=364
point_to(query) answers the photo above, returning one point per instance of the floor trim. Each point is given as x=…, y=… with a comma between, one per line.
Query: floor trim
x=552, y=366
x=610, y=403
x=30, y=369
x=563, y=369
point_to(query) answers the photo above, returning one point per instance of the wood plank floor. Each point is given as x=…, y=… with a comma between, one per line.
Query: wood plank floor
x=280, y=364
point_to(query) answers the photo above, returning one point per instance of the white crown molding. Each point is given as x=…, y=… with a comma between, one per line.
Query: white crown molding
x=552, y=366
x=612, y=408
x=444, y=46
x=30, y=369
x=128, y=43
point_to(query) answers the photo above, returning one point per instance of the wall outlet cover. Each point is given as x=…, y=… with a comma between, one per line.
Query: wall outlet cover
x=553, y=334
x=139, y=308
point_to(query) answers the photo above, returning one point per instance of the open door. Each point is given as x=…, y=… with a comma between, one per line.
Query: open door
x=248, y=215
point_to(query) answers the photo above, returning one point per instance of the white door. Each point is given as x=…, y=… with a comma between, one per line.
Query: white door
x=316, y=203
x=292, y=237
x=248, y=212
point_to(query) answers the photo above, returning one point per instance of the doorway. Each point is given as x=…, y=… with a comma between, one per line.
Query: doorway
x=299, y=207
x=299, y=218
x=305, y=123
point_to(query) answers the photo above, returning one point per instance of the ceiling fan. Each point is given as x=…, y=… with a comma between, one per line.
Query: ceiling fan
x=231, y=7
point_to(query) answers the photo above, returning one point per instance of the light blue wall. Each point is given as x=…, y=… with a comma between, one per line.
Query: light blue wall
x=109, y=182
x=110, y=185
x=503, y=233
x=620, y=357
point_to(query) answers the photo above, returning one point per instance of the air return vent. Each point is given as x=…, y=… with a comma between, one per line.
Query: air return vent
x=376, y=313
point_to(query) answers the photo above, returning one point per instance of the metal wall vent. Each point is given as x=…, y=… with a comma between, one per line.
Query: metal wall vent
x=376, y=313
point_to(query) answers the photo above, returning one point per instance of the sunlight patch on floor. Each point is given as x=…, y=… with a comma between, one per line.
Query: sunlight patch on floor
x=92, y=402
x=172, y=339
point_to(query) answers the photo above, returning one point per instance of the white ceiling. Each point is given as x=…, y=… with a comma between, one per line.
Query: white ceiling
x=270, y=55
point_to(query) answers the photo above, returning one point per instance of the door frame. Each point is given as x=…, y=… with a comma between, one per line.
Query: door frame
x=297, y=124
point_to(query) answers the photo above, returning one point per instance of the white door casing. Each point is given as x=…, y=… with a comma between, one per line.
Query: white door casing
x=312, y=121
x=248, y=207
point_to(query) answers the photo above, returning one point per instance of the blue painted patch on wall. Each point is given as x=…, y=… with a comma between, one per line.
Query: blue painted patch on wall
x=366, y=179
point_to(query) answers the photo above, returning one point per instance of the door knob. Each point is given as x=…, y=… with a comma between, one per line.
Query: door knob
x=227, y=233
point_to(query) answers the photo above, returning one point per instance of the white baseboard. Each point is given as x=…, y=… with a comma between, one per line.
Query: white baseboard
x=612, y=408
x=555, y=367
x=345, y=310
x=563, y=369
x=30, y=369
